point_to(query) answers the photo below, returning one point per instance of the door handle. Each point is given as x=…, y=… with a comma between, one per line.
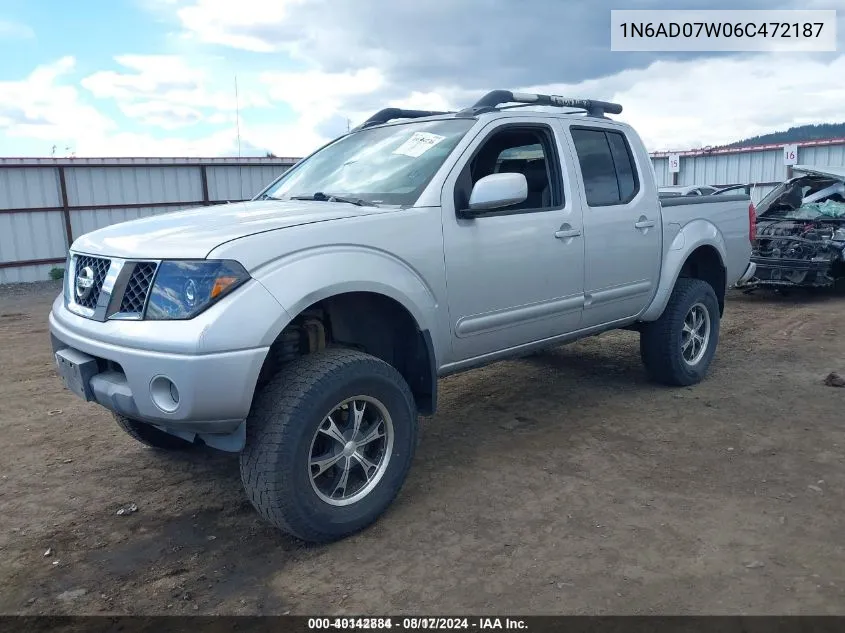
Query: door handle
x=644, y=224
x=565, y=232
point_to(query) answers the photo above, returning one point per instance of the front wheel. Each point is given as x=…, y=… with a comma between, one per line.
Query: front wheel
x=678, y=348
x=330, y=440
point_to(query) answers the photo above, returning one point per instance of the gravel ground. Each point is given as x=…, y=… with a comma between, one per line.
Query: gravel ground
x=561, y=483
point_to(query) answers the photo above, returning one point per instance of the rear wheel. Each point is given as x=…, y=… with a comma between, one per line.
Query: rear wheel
x=678, y=348
x=330, y=440
x=151, y=436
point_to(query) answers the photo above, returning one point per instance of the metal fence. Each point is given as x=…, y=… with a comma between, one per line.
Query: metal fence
x=761, y=166
x=45, y=203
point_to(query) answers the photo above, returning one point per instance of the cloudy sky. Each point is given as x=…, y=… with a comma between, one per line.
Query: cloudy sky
x=157, y=77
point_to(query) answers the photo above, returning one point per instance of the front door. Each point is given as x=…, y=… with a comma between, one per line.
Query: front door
x=514, y=275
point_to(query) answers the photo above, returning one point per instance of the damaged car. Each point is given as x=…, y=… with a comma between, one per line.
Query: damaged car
x=800, y=238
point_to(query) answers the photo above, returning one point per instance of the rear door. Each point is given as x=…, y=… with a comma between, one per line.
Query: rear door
x=514, y=275
x=622, y=225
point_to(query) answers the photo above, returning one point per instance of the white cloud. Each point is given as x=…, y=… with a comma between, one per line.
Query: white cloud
x=220, y=22
x=135, y=144
x=46, y=109
x=437, y=101
x=318, y=95
x=681, y=105
x=166, y=91
x=289, y=140
x=673, y=105
x=15, y=31
x=370, y=54
x=43, y=106
x=168, y=116
x=221, y=118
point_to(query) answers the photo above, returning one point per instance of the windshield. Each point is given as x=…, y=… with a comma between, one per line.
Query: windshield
x=381, y=165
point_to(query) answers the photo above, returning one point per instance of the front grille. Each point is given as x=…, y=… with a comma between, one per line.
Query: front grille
x=94, y=268
x=138, y=288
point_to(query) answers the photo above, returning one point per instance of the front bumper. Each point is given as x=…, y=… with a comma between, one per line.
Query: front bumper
x=214, y=387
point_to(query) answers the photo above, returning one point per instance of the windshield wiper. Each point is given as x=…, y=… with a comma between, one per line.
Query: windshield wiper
x=322, y=197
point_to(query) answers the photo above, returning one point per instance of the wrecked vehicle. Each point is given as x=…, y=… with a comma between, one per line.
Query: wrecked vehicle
x=800, y=239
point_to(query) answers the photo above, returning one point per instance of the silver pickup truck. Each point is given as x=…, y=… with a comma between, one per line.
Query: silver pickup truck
x=308, y=327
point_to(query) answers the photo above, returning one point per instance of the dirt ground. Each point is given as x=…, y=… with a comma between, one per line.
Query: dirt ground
x=562, y=483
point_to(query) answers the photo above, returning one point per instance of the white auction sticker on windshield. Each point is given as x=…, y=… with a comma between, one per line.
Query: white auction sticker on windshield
x=418, y=144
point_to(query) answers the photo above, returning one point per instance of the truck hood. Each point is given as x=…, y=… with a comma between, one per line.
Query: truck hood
x=194, y=233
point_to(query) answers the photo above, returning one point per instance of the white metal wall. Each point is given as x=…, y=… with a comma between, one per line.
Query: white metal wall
x=236, y=183
x=762, y=167
x=34, y=213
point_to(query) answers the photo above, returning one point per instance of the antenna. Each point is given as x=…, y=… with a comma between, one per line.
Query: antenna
x=238, y=131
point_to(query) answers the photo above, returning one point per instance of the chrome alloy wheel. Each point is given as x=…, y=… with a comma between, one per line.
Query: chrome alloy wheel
x=351, y=450
x=695, y=335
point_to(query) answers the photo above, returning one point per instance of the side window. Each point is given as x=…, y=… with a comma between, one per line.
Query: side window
x=597, y=169
x=516, y=149
x=626, y=173
x=606, y=166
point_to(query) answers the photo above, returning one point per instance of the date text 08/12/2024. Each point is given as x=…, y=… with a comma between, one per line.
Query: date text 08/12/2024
x=418, y=623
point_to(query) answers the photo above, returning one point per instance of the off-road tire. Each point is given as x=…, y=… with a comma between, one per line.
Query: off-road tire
x=285, y=416
x=660, y=341
x=151, y=436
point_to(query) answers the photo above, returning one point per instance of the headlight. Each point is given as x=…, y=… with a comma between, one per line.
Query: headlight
x=182, y=289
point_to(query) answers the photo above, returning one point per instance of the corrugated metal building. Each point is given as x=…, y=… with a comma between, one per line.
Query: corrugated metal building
x=761, y=165
x=45, y=203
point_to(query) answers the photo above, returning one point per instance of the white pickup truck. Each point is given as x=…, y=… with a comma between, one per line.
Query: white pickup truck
x=307, y=327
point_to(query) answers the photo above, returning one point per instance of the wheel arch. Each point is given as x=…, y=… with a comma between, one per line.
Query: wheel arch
x=367, y=320
x=364, y=298
x=705, y=263
x=698, y=252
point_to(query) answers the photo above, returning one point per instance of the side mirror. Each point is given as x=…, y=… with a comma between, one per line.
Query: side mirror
x=496, y=191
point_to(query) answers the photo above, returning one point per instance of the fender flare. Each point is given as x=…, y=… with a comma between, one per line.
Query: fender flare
x=692, y=236
x=306, y=277
x=303, y=278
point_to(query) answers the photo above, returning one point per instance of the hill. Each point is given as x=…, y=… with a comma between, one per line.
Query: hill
x=795, y=135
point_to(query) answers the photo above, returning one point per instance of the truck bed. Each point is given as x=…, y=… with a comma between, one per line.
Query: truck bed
x=729, y=214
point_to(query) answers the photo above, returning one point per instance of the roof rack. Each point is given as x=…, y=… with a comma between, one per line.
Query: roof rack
x=389, y=114
x=491, y=100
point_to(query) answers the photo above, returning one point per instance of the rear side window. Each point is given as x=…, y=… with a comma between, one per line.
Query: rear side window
x=607, y=166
